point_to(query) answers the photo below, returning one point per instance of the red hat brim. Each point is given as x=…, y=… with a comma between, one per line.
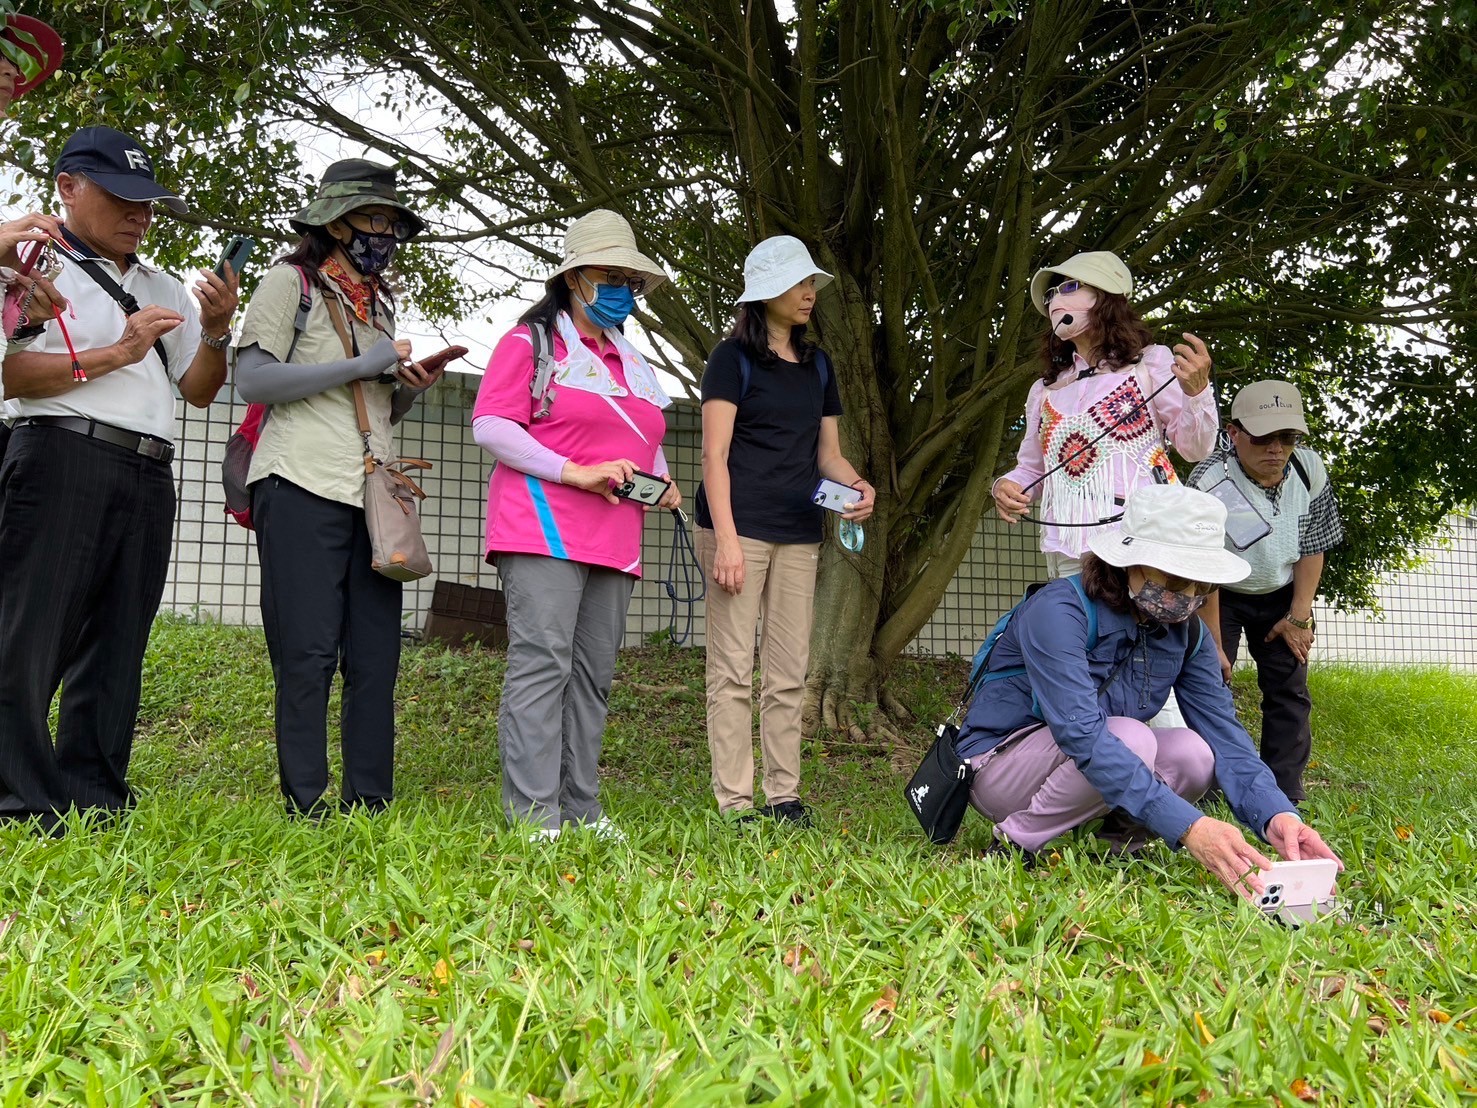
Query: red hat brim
x=48, y=42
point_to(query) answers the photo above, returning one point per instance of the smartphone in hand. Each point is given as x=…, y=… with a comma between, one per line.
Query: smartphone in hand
x=237, y=251
x=439, y=359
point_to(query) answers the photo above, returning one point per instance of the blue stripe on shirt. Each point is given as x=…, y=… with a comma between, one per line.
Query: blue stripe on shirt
x=545, y=517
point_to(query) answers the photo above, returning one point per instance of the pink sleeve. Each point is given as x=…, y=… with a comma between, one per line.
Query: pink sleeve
x=659, y=463
x=1191, y=422
x=1030, y=463
x=504, y=388
x=510, y=443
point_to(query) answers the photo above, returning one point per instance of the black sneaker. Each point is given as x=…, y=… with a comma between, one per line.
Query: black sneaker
x=1009, y=852
x=1124, y=835
x=789, y=811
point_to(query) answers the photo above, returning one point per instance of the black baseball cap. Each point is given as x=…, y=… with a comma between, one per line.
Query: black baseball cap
x=118, y=163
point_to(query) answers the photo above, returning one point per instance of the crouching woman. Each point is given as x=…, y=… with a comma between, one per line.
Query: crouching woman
x=1058, y=734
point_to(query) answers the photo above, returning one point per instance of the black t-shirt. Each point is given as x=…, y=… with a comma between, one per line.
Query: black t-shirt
x=772, y=462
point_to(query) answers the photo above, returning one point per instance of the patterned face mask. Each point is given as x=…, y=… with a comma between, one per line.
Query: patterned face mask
x=1160, y=603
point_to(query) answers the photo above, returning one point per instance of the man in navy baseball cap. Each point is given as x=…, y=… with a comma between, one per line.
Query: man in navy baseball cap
x=118, y=163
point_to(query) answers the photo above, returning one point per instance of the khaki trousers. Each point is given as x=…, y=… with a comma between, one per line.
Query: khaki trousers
x=779, y=586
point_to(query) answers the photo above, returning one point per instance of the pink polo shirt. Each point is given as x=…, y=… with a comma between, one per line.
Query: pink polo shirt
x=526, y=515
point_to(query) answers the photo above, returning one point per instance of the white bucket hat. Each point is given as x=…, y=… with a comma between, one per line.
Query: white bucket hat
x=776, y=266
x=604, y=238
x=1175, y=529
x=1102, y=269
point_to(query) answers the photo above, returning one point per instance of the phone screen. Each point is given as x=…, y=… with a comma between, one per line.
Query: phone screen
x=1244, y=524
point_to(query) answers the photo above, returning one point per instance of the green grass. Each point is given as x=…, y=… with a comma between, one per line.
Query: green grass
x=207, y=950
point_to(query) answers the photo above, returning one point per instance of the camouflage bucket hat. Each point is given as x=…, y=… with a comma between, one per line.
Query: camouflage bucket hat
x=353, y=183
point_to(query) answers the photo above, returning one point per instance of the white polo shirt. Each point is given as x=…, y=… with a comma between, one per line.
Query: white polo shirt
x=139, y=397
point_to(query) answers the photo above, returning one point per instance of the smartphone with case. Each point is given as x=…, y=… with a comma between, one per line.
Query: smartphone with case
x=834, y=496
x=237, y=252
x=1244, y=524
x=644, y=488
x=1295, y=893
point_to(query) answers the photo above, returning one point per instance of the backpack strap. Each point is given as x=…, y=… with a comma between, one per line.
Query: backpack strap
x=543, y=367
x=304, y=306
x=1301, y=470
x=746, y=373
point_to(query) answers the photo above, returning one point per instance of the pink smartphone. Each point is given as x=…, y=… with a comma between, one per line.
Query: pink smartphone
x=1296, y=893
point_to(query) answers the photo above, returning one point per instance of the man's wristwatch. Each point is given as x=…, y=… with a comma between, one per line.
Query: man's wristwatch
x=217, y=343
x=1302, y=624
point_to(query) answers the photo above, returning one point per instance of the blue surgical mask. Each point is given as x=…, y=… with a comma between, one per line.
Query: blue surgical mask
x=370, y=253
x=611, y=305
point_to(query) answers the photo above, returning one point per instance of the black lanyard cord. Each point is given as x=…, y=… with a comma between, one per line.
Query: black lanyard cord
x=691, y=569
x=1083, y=449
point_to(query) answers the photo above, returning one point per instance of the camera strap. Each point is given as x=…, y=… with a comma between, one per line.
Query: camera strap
x=71, y=249
x=682, y=558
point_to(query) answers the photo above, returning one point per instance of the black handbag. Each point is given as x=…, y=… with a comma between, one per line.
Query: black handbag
x=938, y=791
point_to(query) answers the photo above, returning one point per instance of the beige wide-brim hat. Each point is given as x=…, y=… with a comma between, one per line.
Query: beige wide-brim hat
x=1175, y=529
x=1265, y=407
x=604, y=238
x=1102, y=269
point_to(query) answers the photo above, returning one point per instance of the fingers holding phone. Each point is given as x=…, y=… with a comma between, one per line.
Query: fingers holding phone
x=423, y=374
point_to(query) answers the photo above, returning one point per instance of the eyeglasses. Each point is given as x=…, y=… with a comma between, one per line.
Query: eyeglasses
x=1290, y=439
x=632, y=281
x=381, y=224
x=1178, y=584
x=1062, y=289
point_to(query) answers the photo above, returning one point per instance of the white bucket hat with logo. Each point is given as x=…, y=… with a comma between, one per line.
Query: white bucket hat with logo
x=1264, y=407
x=1102, y=269
x=776, y=266
x=1178, y=530
x=604, y=238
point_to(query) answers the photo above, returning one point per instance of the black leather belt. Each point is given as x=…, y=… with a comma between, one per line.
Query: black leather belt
x=132, y=441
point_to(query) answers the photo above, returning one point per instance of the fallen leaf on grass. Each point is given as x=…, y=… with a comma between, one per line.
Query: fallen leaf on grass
x=1003, y=988
x=375, y=958
x=1449, y=1063
x=1152, y=1059
x=1402, y=832
x=440, y=975
x=1330, y=987
x=1302, y=1090
x=802, y=963
x=443, y=1050
x=1378, y=1024
x=883, y=1009
x=1205, y=1036
x=1436, y=1015
x=571, y=878
x=525, y=944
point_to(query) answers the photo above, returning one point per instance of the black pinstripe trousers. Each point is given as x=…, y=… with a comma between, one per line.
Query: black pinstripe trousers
x=85, y=532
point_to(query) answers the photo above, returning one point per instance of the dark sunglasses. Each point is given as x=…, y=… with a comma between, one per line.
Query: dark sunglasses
x=1290, y=439
x=1062, y=289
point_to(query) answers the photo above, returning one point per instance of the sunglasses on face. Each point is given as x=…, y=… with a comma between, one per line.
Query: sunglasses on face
x=1178, y=584
x=1062, y=290
x=1289, y=439
x=380, y=224
x=632, y=281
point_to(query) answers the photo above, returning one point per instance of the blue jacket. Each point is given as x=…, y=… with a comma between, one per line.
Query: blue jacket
x=1048, y=636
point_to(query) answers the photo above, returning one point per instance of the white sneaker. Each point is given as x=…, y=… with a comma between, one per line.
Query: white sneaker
x=544, y=835
x=603, y=828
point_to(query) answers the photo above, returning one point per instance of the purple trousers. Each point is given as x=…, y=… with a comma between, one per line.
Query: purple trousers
x=1033, y=791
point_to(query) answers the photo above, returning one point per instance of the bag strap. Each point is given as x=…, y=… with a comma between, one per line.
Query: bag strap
x=361, y=410
x=543, y=367
x=746, y=373
x=1301, y=470
x=304, y=307
x=125, y=299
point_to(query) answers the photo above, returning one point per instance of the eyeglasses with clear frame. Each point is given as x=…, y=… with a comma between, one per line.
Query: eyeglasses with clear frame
x=633, y=281
x=1062, y=290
